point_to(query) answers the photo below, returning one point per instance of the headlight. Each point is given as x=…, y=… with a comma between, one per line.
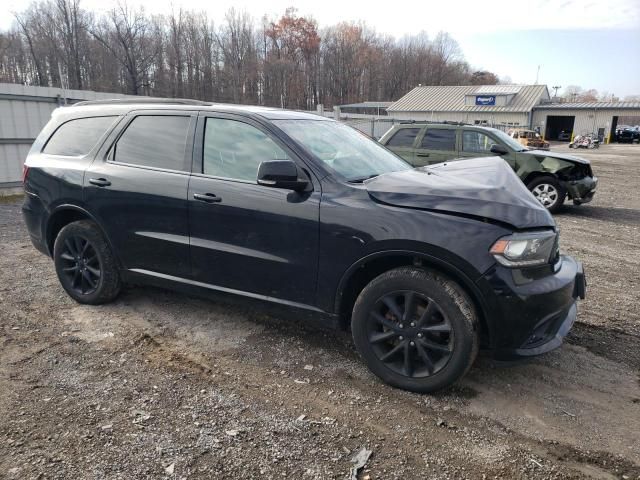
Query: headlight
x=525, y=249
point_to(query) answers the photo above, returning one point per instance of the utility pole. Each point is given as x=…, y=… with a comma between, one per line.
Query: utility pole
x=537, y=74
x=555, y=90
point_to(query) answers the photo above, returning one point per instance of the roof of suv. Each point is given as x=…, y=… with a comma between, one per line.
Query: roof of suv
x=448, y=125
x=120, y=107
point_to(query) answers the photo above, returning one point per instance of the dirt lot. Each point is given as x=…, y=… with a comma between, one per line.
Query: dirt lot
x=159, y=385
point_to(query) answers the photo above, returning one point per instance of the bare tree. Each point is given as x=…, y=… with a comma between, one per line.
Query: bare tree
x=285, y=61
x=239, y=55
x=35, y=56
x=290, y=48
x=71, y=23
x=127, y=34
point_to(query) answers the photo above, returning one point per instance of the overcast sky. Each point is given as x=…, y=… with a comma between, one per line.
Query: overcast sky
x=591, y=43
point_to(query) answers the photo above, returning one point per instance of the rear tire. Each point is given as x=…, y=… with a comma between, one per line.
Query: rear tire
x=548, y=191
x=424, y=348
x=85, y=265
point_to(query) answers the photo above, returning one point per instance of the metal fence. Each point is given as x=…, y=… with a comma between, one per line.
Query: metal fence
x=373, y=127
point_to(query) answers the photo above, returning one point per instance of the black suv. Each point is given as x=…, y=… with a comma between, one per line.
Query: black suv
x=425, y=265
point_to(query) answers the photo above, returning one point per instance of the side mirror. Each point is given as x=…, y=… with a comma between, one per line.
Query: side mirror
x=498, y=149
x=281, y=174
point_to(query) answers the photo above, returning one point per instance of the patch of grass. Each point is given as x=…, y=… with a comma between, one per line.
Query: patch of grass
x=13, y=198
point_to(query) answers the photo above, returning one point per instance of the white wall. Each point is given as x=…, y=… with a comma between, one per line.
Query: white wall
x=586, y=120
x=24, y=110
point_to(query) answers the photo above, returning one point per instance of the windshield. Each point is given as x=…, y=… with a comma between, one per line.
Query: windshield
x=344, y=149
x=508, y=141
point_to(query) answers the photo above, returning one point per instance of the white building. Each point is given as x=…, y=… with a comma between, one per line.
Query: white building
x=601, y=118
x=524, y=106
x=509, y=105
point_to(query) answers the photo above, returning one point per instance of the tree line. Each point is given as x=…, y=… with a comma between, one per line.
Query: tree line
x=575, y=93
x=286, y=62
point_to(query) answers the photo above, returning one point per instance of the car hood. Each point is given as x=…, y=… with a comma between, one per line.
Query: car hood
x=481, y=187
x=560, y=156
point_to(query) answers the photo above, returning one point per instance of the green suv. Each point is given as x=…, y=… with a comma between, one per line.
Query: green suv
x=550, y=176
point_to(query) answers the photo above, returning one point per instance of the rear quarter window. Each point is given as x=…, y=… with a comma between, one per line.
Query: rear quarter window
x=77, y=137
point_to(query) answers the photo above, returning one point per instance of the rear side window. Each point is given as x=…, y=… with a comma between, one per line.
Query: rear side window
x=403, y=137
x=439, y=139
x=154, y=141
x=77, y=137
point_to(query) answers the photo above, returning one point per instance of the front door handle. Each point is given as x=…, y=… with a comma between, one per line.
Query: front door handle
x=207, y=197
x=422, y=154
x=99, y=182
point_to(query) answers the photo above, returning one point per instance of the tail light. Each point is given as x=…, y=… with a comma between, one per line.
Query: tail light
x=25, y=174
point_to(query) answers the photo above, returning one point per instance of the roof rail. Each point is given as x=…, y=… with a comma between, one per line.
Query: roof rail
x=432, y=122
x=143, y=100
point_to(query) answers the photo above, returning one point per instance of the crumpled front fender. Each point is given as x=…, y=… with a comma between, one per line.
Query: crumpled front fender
x=556, y=165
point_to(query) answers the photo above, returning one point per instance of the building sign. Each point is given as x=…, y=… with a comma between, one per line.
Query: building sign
x=485, y=100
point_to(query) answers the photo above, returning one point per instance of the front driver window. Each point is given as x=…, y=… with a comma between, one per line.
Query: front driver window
x=476, y=142
x=234, y=149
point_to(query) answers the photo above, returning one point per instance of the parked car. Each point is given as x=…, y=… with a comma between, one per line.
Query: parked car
x=529, y=138
x=550, y=176
x=628, y=135
x=425, y=265
x=564, y=136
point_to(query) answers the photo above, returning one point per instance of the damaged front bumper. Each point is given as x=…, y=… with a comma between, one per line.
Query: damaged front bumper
x=533, y=313
x=581, y=191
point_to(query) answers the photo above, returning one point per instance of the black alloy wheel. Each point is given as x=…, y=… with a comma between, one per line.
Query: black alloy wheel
x=410, y=334
x=82, y=265
x=86, y=267
x=416, y=329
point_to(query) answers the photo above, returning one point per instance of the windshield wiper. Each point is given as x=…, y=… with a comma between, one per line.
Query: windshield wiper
x=362, y=179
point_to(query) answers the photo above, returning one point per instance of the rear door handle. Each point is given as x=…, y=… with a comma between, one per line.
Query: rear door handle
x=99, y=182
x=422, y=154
x=207, y=197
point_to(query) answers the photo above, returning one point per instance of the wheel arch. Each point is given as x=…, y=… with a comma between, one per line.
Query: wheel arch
x=533, y=175
x=367, y=268
x=62, y=216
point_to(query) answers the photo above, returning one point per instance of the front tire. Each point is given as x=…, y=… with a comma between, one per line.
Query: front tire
x=85, y=265
x=415, y=329
x=548, y=191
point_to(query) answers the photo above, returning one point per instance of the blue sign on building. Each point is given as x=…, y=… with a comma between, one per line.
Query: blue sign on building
x=485, y=100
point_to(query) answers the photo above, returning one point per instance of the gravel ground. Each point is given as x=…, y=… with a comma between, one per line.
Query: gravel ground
x=160, y=385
